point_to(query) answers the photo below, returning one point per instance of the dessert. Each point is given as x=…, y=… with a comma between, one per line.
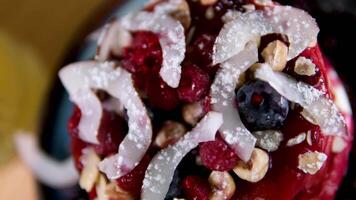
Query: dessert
x=209, y=99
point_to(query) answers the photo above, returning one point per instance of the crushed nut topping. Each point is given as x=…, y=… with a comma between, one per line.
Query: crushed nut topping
x=309, y=138
x=268, y=140
x=338, y=145
x=308, y=117
x=182, y=14
x=222, y=184
x=304, y=66
x=255, y=169
x=249, y=7
x=263, y=2
x=311, y=162
x=107, y=191
x=296, y=140
x=209, y=13
x=208, y=2
x=90, y=173
x=192, y=113
x=275, y=54
x=170, y=132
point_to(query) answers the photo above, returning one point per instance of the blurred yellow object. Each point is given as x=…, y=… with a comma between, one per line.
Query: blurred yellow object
x=17, y=183
x=23, y=82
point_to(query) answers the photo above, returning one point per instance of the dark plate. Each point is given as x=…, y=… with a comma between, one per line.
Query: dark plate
x=337, y=21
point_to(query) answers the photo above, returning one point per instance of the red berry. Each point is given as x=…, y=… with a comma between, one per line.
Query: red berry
x=143, y=54
x=194, y=84
x=132, y=181
x=201, y=51
x=112, y=130
x=217, y=155
x=159, y=94
x=74, y=122
x=195, y=188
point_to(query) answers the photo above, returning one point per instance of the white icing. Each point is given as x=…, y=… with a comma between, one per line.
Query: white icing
x=161, y=169
x=222, y=99
x=80, y=79
x=171, y=37
x=300, y=28
x=322, y=109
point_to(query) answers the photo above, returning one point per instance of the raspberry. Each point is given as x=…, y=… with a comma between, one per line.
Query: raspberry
x=196, y=188
x=217, y=155
x=132, y=181
x=201, y=51
x=159, y=94
x=112, y=130
x=144, y=53
x=194, y=84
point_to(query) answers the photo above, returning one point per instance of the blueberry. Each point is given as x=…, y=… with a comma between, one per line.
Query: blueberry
x=260, y=106
x=174, y=189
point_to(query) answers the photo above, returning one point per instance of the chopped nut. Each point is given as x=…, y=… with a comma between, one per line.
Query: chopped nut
x=178, y=199
x=107, y=191
x=309, y=138
x=241, y=80
x=276, y=54
x=182, y=14
x=308, y=117
x=268, y=140
x=90, y=172
x=339, y=145
x=209, y=13
x=311, y=162
x=192, y=113
x=255, y=169
x=304, y=66
x=208, y=2
x=263, y=2
x=222, y=184
x=296, y=140
x=169, y=134
x=249, y=7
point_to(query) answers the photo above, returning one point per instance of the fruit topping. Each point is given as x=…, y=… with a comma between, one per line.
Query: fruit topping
x=217, y=155
x=160, y=172
x=255, y=169
x=79, y=79
x=194, y=84
x=132, y=181
x=171, y=38
x=222, y=99
x=314, y=101
x=196, y=188
x=260, y=106
x=160, y=95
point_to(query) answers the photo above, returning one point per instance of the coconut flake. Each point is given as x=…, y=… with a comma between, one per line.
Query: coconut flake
x=79, y=79
x=171, y=37
x=112, y=39
x=161, y=169
x=320, y=108
x=48, y=171
x=223, y=100
x=298, y=25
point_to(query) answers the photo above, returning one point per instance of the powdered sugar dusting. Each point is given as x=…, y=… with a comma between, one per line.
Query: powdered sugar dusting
x=171, y=37
x=161, y=169
x=300, y=28
x=222, y=99
x=79, y=79
x=322, y=109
